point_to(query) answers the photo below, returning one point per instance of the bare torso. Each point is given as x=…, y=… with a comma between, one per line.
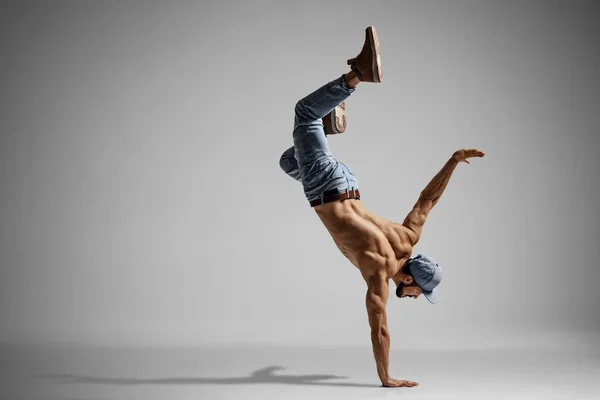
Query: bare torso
x=369, y=242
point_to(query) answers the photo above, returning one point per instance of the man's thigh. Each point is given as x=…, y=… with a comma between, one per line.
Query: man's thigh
x=310, y=143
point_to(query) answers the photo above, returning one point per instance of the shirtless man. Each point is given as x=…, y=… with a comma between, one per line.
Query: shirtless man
x=379, y=248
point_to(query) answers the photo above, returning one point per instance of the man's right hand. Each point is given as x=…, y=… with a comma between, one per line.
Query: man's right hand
x=465, y=154
x=398, y=383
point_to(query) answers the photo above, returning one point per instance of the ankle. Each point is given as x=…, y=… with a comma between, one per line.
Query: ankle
x=351, y=80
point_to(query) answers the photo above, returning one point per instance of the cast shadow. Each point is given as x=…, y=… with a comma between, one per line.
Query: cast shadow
x=260, y=376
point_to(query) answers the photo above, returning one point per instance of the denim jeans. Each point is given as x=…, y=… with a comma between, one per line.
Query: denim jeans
x=310, y=161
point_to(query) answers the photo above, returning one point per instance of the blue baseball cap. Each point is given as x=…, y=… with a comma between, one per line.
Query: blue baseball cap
x=427, y=275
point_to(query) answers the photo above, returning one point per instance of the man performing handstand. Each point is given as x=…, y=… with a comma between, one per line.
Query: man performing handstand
x=379, y=248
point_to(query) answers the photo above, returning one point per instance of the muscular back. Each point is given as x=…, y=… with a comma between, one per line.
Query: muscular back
x=373, y=244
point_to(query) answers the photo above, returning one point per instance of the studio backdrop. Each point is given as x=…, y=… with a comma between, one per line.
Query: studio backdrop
x=142, y=200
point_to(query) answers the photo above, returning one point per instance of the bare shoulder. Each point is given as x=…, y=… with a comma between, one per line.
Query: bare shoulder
x=373, y=268
x=406, y=235
x=378, y=265
x=400, y=237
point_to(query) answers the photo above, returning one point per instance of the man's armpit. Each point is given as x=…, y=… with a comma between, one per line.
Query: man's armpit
x=415, y=219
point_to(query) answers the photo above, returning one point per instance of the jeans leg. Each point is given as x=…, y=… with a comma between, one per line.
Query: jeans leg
x=289, y=165
x=310, y=141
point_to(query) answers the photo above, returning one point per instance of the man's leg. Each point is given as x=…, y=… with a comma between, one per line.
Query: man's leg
x=289, y=165
x=310, y=142
x=333, y=123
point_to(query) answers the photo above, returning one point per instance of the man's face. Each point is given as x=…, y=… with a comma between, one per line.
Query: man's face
x=411, y=290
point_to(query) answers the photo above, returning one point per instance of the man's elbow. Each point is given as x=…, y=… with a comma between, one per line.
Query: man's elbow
x=426, y=202
x=380, y=334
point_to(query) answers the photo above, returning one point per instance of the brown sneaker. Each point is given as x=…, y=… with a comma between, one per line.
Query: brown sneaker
x=367, y=65
x=335, y=121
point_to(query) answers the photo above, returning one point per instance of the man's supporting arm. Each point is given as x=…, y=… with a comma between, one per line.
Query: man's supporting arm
x=377, y=295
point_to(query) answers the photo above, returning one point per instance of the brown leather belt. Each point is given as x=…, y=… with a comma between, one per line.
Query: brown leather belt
x=327, y=198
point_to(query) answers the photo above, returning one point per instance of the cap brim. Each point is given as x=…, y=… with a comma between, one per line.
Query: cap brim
x=431, y=296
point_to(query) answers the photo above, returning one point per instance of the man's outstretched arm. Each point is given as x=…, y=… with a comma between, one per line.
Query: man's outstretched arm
x=377, y=296
x=429, y=197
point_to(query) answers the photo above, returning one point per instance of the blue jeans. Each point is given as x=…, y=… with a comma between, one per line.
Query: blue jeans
x=310, y=161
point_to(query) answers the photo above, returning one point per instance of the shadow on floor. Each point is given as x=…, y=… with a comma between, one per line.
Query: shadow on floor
x=260, y=376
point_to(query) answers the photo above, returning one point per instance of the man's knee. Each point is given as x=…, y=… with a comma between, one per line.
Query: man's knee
x=286, y=164
x=303, y=113
x=289, y=165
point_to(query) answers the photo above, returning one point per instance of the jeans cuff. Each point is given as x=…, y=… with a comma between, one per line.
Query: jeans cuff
x=344, y=86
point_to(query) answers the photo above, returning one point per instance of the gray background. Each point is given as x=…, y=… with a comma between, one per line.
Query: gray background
x=142, y=202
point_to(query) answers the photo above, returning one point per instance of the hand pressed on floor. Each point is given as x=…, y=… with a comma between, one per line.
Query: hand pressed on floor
x=399, y=383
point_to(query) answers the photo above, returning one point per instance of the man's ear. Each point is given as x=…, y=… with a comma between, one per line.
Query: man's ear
x=407, y=280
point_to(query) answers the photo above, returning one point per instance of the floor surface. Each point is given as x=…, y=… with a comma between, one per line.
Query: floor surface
x=270, y=372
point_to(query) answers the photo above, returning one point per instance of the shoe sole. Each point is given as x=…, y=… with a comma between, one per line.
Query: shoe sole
x=338, y=112
x=376, y=61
